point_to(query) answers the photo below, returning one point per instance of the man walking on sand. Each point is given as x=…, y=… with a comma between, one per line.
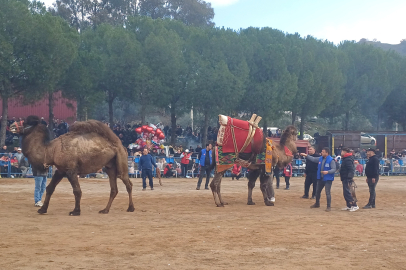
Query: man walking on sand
x=145, y=165
x=347, y=170
x=325, y=175
x=205, y=165
x=372, y=173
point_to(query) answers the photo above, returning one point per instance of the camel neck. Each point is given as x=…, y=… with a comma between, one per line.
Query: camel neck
x=34, y=146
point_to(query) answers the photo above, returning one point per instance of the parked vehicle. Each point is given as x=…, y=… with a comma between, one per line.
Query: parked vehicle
x=309, y=138
x=367, y=139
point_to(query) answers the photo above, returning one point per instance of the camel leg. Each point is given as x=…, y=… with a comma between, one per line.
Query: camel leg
x=50, y=190
x=264, y=179
x=112, y=173
x=73, y=179
x=215, y=188
x=252, y=177
x=127, y=182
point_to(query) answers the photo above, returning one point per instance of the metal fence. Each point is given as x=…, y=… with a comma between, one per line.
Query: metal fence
x=387, y=167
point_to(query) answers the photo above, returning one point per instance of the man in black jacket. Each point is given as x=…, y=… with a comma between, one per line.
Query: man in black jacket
x=311, y=175
x=347, y=174
x=372, y=173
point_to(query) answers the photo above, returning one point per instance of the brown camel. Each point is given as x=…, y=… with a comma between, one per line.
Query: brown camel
x=86, y=148
x=279, y=158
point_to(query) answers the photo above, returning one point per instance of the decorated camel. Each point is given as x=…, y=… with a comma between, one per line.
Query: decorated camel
x=242, y=142
x=86, y=148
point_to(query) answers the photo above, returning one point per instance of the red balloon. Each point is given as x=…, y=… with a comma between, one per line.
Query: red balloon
x=149, y=129
x=138, y=130
x=153, y=132
x=144, y=128
x=158, y=131
x=161, y=136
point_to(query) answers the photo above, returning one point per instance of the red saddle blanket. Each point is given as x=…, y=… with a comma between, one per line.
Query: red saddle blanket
x=240, y=129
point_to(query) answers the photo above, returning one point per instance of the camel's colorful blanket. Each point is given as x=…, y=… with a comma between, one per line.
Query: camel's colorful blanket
x=234, y=133
x=224, y=161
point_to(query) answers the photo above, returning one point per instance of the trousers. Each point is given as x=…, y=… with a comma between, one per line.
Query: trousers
x=144, y=174
x=40, y=185
x=372, y=193
x=347, y=192
x=204, y=170
x=311, y=179
x=320, y=185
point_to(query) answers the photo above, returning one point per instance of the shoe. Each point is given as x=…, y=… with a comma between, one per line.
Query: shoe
x=354, y=208
x=206, y=188
x=328, y=209
x=273, y=199
x=197, y=188
x=38, y=204
x=373, y=206
x=152, y=188
x=305, y=197
x=346, y=208
x=286, y=188
x=144, y=189
x=316, y=205
x=367, y=206
x=313, y=197
x=277, y=187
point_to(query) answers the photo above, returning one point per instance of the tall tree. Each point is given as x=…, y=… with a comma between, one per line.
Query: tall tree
x=119, y=59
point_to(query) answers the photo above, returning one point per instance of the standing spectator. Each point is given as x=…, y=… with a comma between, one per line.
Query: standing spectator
x=287, y=172
x=198, y=149
x=185, y=159
x=276, y=174
x=43, y=121
x=4, y=151
x=311, y=175
x=325, y=175
x=363, y=154
x=236, y=172
x=145, y=166
x=372, y=173
x=206, y=161
x=40, y=177
x=377, y=153
x=347, y=178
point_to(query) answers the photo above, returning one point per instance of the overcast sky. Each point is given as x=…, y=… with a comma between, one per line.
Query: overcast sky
x=323, y=19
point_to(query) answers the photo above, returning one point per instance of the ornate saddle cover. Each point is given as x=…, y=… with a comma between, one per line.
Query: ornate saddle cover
x=239, y=136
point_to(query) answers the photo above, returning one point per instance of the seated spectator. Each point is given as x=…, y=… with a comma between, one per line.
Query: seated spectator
x=191, y=150
x=236, y=172
x=198, y=149
x=168, y=170
x=23, y=165
x=161, y=164
x=162, y=153
x=4, y=151
x=130, y=166
x=4, y=165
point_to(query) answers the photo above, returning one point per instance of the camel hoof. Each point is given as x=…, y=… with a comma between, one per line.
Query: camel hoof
x=74, y=213
x=250, y=203
x=131, y=208
x=224, y=203
x=42, y=211
x=269, y=203
x=104, y=211
x=220, y=205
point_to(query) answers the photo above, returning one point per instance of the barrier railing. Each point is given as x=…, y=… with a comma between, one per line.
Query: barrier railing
x=387, y=167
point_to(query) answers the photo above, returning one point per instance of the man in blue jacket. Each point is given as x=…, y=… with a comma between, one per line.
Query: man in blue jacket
x=145, y=166
x=325, y=175
x=206, y=162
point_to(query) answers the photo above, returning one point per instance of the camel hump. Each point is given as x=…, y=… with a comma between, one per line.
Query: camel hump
x=94, y=126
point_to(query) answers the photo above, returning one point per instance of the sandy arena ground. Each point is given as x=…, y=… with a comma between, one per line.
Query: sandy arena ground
x=178, y=227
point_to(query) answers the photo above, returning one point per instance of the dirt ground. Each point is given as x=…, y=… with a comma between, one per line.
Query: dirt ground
x=178, y=227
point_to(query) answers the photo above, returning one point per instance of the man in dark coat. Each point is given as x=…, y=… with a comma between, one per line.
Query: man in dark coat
x=347, y=170
x=311, y=175
x=372, y=173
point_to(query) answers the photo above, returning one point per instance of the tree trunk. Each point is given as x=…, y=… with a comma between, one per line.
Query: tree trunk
x=110, y=101
x=346, y=120
x=4, y=121
x=143, y=110
x=51, y=114
x=293, y=118
x=301, y=130
x=378, y=124
x=173, y=122
x=205, y=126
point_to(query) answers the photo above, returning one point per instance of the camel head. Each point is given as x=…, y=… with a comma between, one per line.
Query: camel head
x=24, y=128
x=289, y=135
